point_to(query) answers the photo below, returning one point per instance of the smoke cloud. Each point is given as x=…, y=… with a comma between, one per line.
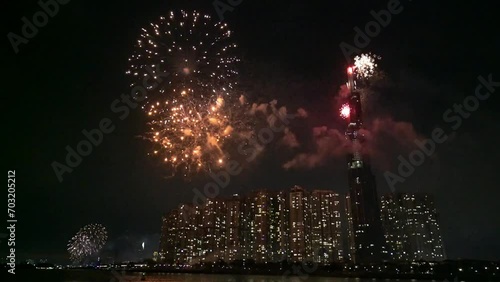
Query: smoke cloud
x=383, y=139
x=289, y=139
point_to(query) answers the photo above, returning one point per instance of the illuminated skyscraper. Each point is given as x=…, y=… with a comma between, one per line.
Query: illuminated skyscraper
x=264, y=227
x=300, y=244
x=186, y=235
x=363, y=207
x=411, y=227
x=214, y=229
x=278, y=226
x=261, y=226
x=247, y=228
x=326, y=231
x=168, y=237
x=234, y=219
x=181, y=236
x=350, y=244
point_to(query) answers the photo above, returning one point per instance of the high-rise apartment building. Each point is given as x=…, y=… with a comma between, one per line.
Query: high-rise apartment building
x=326, y=229
x=299, y=226
x=234, y=219
x=300, y=216
x=168, y=237
x=213, y=216
x=263, y=226
x=278, y=226
x=411, y=227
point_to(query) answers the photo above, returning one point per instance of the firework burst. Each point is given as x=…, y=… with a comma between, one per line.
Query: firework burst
x=345, y=111
x=87, y=241
x=366, y=65
x=195, y=109
x=367, y=74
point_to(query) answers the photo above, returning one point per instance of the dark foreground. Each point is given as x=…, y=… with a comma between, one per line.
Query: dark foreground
x=112, y=276
x=91, y=275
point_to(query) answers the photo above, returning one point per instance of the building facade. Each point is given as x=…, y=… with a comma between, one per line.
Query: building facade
x=263, y=226
x=367, y=244
x=326, y=227
x=298, y=226
x=411, y=227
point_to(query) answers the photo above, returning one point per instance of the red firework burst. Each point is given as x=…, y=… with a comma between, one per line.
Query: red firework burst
x=345, y=111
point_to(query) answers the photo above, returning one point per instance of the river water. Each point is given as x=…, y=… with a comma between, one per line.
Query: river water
x=107, y=276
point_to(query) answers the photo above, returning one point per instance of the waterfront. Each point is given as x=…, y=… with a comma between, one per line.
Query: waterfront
x=108, y=276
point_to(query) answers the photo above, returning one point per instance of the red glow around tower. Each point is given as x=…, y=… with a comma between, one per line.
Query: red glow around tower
x=345, y=111
x=349, y=70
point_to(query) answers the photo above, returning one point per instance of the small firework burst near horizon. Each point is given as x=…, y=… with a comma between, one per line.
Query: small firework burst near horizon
x=196, y=108
x=88, y=241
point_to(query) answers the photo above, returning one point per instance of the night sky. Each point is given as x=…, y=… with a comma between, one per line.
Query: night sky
x=65, y=78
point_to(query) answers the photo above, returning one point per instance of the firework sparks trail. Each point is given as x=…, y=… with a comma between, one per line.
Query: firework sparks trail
x=88, y=241
x=195, y=110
